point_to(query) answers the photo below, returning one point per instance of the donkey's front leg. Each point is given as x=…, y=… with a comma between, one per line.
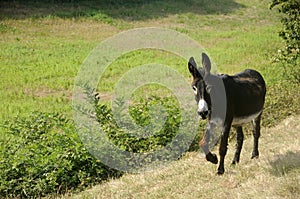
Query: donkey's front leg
x=204, y=143
x=223, y=147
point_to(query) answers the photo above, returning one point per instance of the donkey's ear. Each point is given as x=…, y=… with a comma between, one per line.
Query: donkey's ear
x=193, y=68
x=206, y=64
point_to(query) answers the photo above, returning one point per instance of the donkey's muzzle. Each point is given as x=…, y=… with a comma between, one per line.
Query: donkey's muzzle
x=202, y=108
x=203, y=114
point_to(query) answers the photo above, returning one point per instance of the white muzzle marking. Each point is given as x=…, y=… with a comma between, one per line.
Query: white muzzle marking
x=202, y=106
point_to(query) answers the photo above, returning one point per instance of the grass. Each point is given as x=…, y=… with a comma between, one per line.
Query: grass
x=42, y=46
x=111, y=11
x=39, y=63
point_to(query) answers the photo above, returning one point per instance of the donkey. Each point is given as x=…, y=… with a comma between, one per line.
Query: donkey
x=227, y=101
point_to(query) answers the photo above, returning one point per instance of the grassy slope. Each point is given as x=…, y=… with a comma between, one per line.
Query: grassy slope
x=275, y=174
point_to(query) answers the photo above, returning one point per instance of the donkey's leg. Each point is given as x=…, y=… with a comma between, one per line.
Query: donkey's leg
x=204, y=143
x=223, y=147
x=239, y=144
x=256, y=135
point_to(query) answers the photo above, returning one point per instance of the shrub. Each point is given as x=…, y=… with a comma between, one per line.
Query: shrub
x=142, y=139
x=41, y=154
x=290, y=54
x=154, y=139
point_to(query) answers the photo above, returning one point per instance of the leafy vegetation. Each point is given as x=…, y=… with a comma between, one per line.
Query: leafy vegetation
x=290, y=19
x=42, y=154
x=145, y=139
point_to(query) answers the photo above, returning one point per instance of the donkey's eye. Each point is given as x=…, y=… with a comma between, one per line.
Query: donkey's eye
x=195, y=90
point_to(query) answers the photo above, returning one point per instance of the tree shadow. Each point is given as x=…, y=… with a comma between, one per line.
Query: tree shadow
x=129, y=10
x=286, y=163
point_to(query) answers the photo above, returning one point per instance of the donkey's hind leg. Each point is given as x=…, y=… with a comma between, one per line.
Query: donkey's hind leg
x=256, y=135
x=239, y=144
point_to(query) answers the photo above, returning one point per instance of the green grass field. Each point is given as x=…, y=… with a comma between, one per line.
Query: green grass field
x=42, y=49
x=42, y=46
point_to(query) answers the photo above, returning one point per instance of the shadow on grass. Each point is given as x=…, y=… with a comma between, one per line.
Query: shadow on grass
x=129, y=10
x=285, y=164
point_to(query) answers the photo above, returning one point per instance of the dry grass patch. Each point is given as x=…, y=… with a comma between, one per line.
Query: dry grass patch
x=47, y=92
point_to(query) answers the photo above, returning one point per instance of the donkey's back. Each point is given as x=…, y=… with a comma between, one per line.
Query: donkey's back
x=245, y=93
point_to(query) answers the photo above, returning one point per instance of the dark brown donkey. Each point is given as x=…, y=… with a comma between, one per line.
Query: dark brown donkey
x=227, y=101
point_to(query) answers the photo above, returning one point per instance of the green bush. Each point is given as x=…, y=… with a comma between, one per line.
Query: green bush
x=143, y=139
x=289, y=56
x=41, y=154
x=154, y=134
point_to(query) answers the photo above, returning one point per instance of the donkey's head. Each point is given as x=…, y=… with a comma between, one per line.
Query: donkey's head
x=200, y=86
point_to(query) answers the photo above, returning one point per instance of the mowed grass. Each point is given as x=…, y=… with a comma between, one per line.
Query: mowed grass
x=42, y=46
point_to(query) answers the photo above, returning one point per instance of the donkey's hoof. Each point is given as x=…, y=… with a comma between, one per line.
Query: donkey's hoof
x=235, y=161
x=255, y=155
x=220, y=171
x=211, y=157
